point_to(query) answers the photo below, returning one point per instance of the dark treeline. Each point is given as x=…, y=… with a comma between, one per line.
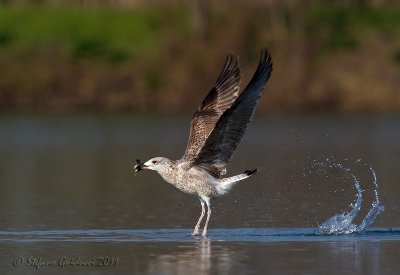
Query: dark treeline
x=133, y=55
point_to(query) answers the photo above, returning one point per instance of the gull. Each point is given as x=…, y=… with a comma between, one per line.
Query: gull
x=217, y=127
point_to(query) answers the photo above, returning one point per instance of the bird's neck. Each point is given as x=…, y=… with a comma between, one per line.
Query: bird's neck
x=167, y=173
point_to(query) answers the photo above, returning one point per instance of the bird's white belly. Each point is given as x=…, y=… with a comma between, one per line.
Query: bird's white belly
x=192, y=183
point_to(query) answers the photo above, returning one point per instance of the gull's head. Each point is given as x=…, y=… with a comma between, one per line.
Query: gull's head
x=158, y=164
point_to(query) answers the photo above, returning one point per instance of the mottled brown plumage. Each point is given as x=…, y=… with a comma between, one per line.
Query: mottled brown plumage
x=218, y=100
x=217, y=127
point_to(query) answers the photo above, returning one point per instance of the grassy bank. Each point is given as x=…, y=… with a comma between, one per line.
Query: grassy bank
x=161, y=58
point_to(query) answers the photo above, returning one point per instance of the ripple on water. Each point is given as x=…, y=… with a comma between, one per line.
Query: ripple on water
x=183, y=235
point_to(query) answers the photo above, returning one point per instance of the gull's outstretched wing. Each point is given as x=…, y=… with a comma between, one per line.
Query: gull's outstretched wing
x=230, y=128
x=218, y=100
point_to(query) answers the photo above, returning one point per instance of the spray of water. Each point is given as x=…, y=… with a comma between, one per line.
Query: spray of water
x=342, y=223
x=376, y=209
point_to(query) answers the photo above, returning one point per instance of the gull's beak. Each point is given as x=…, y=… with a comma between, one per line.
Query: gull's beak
x=139, y=166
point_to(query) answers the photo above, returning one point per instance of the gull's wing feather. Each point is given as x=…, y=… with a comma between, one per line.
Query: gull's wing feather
x=230, y=128
x=218, y=100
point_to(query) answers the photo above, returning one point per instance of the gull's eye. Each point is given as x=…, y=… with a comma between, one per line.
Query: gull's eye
x=154, y=162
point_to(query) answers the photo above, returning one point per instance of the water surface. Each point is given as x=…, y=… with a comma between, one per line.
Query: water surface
x=68, y=190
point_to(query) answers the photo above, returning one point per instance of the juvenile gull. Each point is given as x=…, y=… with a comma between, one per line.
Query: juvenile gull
x=217, y=127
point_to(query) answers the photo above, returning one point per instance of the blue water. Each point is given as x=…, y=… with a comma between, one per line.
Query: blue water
x=265, y=235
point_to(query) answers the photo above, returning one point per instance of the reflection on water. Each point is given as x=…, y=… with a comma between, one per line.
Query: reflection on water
x=76, y=173
x=226, y=251
x=185, y=262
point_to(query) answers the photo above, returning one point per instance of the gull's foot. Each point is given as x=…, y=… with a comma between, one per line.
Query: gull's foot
x=204, y=234
x=195, y=233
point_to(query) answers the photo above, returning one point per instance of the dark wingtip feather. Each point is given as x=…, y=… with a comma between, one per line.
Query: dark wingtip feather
x=250, y=172
x=230, y=73
x=265, y=65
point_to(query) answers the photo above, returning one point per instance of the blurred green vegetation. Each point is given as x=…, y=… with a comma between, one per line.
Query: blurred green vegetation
x=342, y=26
x=111, y=35
x=161, y=57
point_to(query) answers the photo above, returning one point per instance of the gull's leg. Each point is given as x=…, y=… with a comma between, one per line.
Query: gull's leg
x=207, y=200
x=196, y=229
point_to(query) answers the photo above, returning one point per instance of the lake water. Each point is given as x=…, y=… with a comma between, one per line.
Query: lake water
x=70, y=201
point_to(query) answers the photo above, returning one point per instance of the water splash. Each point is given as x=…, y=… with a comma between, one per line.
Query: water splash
x=377, y=206
x=343, y=223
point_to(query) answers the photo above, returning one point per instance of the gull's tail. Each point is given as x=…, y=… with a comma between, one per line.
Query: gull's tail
x=228, y=183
